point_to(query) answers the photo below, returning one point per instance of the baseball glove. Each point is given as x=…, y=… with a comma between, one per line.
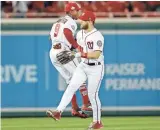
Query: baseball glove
x=65, y=56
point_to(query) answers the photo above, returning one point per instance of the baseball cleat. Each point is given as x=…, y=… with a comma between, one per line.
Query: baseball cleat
x=95, y=125
x=79, y=113
x=56, y=115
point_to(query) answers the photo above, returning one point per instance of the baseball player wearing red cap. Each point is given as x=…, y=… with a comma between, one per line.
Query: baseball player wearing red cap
x=62, y=36
x=91, y=68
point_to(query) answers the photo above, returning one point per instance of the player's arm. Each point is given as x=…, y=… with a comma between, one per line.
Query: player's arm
x=98, y=47
x=92, y=55
x=89, y=55
x=69, y=36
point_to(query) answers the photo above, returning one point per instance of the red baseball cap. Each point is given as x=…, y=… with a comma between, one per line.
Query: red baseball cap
x=72, y=6
x=88, y=16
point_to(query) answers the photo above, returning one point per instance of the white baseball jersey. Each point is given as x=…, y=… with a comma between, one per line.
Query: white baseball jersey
x=94, y=73
x=90, y=42
x=57, y=35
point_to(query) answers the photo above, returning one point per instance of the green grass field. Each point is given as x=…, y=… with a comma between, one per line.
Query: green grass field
x=110, y=123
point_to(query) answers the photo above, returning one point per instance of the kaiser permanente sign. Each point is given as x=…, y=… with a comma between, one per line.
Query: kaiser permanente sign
x=129, y=76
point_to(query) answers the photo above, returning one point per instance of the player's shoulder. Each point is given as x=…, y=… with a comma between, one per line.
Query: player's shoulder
x=79, y=32
x=71, y=22
x=98, y=35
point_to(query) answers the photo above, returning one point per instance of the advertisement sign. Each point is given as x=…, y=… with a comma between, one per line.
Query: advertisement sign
x=132, y=71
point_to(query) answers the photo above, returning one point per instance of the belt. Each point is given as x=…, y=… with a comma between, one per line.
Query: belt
x=93, y=64
x=57, y=46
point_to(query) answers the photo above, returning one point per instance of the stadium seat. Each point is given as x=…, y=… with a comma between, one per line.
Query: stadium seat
x=7, y=7
x=38, y=5
x=100, y=5
x=54, y=8
x=101, y=8
x=152, y=5
x=138, y=6
x=115, y=6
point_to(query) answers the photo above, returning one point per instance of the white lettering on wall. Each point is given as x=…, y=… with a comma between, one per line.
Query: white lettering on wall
x=31, y=73
x=122, y=81
x=10, y=73
x=133, y=84
x=125, y=69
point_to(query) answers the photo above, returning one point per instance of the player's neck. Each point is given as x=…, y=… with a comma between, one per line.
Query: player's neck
x=71, y=16
x=89, y=29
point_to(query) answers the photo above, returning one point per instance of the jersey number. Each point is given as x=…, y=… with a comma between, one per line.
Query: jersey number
x=90, y=45
x=56, y=29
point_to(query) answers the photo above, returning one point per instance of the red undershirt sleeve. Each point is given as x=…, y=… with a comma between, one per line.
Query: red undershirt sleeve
x=68, y=34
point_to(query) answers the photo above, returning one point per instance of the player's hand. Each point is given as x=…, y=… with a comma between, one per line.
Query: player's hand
x=80, y=49
x=81, y=54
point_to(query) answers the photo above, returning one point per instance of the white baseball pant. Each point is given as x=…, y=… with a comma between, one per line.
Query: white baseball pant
x=66, y=70
x=94, y=74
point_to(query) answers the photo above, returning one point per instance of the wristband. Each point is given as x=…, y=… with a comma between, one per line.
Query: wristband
x=84, y=55
x=78, y=54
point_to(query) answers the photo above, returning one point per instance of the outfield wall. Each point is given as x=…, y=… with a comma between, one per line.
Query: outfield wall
x=131, y=83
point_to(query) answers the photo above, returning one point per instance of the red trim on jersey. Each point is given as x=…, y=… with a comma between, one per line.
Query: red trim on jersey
x=98, y=50
x=69, y=36
x=84, y=55
x=86, y=44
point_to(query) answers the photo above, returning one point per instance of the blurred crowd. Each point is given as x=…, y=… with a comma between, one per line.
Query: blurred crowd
x=56, y=8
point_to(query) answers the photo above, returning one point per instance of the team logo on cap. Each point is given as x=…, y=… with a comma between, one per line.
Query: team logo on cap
x=99, y=43
x=83, y=14
x=72, y=8
x=78, y=5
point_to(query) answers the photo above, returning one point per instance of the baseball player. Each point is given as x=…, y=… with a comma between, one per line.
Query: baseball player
x=91, y=68
x=62, y=36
